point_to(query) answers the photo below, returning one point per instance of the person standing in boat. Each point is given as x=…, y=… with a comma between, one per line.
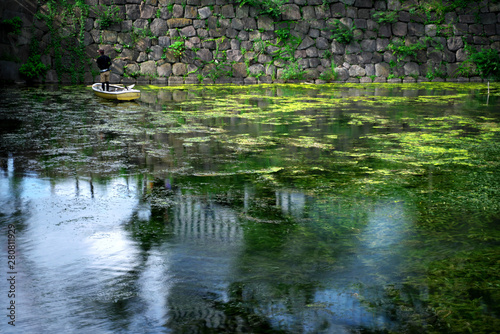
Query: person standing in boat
x=104, y=64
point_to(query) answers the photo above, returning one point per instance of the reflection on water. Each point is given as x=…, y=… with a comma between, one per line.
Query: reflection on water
x=188, y=213
x=83, y=267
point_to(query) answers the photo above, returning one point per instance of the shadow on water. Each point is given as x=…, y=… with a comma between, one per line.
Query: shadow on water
x=235, y=210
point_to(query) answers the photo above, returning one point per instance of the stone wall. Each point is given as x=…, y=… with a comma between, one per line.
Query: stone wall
x=193, y=41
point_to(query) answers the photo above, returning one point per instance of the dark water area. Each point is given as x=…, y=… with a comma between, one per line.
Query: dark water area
x=256, y=209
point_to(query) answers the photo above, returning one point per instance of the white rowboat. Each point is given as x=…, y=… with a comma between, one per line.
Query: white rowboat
x=117, y=92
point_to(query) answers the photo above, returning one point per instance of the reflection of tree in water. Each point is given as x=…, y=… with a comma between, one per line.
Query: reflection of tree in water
x=264, y=262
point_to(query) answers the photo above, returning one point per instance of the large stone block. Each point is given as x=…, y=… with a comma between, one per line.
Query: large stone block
x=411, y=68
x=400, y=29
x=337, y=48
x=175, y=81
x=188, y=31
x=455, y=43
x=308, y=13
x=360, y=23
x=306, y=43
x=382, y=70
x=337, y=10
x=385, y=30
x=256, y=69
x=191, y=12
x=143, y=56
x=204, y=13
x=228, y=11
x=156, y=53
x=382, y=44
x=357, y=71
x=364, y=3
x=290, y=12
x=466, y=18
x=179, y=69
x=265, y=23
x=143, y=44
x=416, y=29
x=249, y=23
x=343, y=73
x=164, y=41
x=430, y=30
x=109, y=37
x=369, y=45
x=237, y=24
x=476, y=29
x=178, y=22
x=158, y=27
x=239, y=70
x=370, y=69
x=204, y=55
x=353, y=48
x=312, y=52
x=234, y=55
x=322, y=43
x=147, y=11
x=322, y=12
x=460, y=29
x=133, y=12
x=164, y=70
x=177, y=11
x=365, y=57
x=148, y=68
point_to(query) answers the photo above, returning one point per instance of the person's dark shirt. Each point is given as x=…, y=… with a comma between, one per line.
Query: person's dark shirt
x=104, y=62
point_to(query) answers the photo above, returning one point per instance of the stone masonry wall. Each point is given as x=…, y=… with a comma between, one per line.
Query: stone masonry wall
x=222, y=42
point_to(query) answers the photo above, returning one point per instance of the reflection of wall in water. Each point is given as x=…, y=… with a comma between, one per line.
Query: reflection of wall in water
x=204, y=221
x=291, y=203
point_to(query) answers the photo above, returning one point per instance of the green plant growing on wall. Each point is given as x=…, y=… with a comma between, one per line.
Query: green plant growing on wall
x=341, y=32
x=330, y=74
x=34, y=68
x=138, y=33
x=401, y=50
x=107, y=15
x=220, y=67
x=385, y=17
x=178, y=48
x=266, y=7
x=12, y=26
x=67, y=30
x=293, y=71
x=486, y=61
x=436, y=72
x=283, y=33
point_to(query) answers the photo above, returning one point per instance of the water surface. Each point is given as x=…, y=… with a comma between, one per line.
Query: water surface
x=260, y=209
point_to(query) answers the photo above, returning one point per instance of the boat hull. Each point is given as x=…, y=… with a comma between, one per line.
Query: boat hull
x=116, y=93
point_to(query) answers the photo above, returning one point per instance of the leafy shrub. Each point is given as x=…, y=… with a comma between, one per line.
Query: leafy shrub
x=330, y=74
x=401, y=50
x=485, y=63
x=385, y=17
x=267, y=7
x=177, y=48
x=341, y=32
x=34, y=67
x=13, y=25
x=107, y=15
x=283, y=34
x=293, y=72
